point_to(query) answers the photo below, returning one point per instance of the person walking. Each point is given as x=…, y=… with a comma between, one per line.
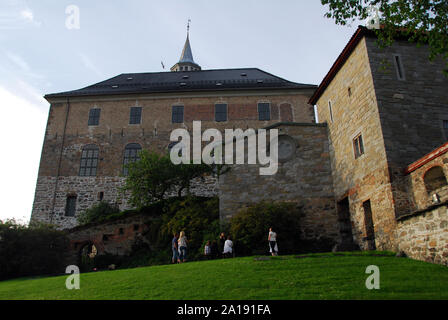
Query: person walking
x=208, y=251
x=175, y=248
x=215, y=251
x=182, y=243
x=228, y=248
x=272, y=238
x=221, y=242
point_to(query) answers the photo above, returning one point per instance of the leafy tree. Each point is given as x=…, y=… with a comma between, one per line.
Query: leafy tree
x=98, y=212
x=421, y=21
x=152, y=177
x=249, y=227
x=32, y=250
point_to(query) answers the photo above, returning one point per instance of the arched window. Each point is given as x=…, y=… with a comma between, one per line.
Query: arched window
x=434, y=179
x=131, y=154
x=89, y=161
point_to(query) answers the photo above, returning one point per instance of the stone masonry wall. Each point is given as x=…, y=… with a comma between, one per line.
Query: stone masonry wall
x=304, y=179
x=354, y=112
x=68, y=132
x=411, y=110
x=424, y=235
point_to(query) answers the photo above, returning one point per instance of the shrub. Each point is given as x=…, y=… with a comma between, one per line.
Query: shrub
x=250, y=227
x=198, y=217
x=99, y=212
x=31, y=250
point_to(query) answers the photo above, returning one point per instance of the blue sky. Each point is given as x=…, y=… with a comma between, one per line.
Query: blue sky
x=39, y=55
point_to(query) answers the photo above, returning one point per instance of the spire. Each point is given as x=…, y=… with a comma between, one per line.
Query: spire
x=186, y=61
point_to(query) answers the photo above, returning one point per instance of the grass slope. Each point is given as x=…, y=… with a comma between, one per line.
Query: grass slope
x=327, y=276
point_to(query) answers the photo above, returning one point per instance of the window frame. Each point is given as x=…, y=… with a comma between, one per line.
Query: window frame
x=94, y=119
x=127, y=158
x=358, y=148
x=175, y=114
x=86, y=170
x=133, y=115
x=226, y=112
x=399, y=67
x=70, y=207
x=330, y=110
x=268, y=112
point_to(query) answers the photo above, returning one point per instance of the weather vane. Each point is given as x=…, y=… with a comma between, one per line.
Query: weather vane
x=188, y=26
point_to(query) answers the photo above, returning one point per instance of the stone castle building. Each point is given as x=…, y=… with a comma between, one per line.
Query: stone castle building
x=365, y=173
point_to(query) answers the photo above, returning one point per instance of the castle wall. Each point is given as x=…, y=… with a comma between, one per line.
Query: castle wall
x=424, y=235
x=304, y=179
x=411, y=110
x=68, y=132
x=354, y=111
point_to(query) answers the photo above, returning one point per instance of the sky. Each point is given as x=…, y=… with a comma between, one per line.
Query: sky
x=44, y=50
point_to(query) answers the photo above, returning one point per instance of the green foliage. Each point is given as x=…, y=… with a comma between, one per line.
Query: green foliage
x=423, y=21
x=250, y=228
x=99, y=212
x=198, y=217
x=30, y=250
x=152, y=177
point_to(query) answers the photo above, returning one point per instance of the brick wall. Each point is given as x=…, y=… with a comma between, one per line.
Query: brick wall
x=68, y=132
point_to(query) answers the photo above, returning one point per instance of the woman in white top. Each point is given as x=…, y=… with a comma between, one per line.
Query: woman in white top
x=182, y=245
x=272, y=238
x=228, y=247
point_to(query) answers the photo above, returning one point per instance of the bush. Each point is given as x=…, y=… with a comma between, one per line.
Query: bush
x=198, y=217
x=99, y=212
x=31, y=251
x=250, y=228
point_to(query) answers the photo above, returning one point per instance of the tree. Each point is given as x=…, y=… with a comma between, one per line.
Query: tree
x=420, y=21
x=152, y=177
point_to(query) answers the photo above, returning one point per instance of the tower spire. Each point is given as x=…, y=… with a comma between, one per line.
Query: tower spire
x=186, y=61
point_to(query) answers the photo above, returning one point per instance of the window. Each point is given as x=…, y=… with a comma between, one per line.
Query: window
x=136, y=115
x=434, y=179
x=89, y=161
x=399, y=67
x=178, y=114
x=330, y=109
x=445, y=128
x=70, y=206
x=264, y=111
x=131, y=154
x=94, y=117
x=358, y=145
x=221, y=112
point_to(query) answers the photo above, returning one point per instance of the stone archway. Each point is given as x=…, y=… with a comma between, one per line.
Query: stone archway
x=86, y=256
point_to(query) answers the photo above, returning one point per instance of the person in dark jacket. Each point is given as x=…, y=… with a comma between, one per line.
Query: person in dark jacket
x=215, y=250
x=221, y=242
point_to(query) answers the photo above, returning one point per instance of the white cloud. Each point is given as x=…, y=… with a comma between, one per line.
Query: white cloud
x=18, y=61
x=88, y=63
x=27, y=14
x=22, y=128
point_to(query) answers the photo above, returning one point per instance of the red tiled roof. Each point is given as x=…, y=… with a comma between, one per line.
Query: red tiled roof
x=430, y=156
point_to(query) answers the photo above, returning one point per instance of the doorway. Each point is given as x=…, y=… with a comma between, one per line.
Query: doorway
x=370, y=229
x=345, y=224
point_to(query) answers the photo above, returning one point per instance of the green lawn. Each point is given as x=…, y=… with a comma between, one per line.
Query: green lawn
x=327, y=276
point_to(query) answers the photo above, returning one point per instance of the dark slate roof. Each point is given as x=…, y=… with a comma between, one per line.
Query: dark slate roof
x=187, y=55
x=186, y=81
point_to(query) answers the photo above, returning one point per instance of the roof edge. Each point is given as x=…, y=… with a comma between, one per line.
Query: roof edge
x=337, y=65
